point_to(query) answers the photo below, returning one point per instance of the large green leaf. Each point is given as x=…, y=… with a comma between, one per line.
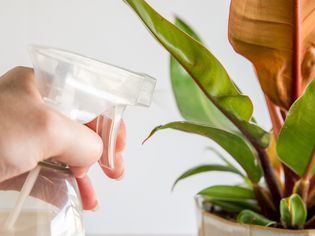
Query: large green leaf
x=206, y=168
x=196, y=59
x=293, y=211
x=228, y=193
x=204, y=68
x=297, y=138
x=187, y=29
x=236, y=146
x=197, y=108
x=250, y=217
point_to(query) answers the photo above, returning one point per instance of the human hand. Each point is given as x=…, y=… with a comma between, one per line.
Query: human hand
x=31, y=132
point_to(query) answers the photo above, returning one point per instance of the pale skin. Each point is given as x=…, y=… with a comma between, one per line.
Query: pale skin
x=31, y=132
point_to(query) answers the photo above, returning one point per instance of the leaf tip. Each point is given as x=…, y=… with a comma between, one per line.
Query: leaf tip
x=151, y=134
x=173, y=187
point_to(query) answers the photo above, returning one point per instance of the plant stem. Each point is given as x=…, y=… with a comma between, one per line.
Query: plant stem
x=270, y=176
x=277, y=119
x=305, y=181
x=290, y=179
x=283, y=114
x=305, y=187
x=268, y=171
x=311, y=196
x=312, y=186
x=311, y=199
x=310, y=224
x=296, y=68
x=265, y=202
x=308, y=172
x=275, y=116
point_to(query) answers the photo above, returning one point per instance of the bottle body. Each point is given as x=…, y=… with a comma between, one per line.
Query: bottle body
x=52, y=208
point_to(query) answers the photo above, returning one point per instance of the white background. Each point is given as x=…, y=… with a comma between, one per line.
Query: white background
x=108, y=30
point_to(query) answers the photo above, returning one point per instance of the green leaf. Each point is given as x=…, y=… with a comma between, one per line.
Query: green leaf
x=261, y=135
x=206, y=168
x=247, y=181
x=187, y=29
x=197, y=108
x=293, y=211
x=297, y=138
x=235, y=207
x=250, y=217
x=228, y=193
x=194, y=57
x=223, y=158
x=235, y=145
x=298, y=210
x=230, y=198
x=285, y=214
x=204, y=68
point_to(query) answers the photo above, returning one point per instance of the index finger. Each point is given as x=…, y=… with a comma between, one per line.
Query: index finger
x=121, y=137
x=120, y=144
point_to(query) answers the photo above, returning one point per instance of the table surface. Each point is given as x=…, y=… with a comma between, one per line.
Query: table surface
x=140, y=235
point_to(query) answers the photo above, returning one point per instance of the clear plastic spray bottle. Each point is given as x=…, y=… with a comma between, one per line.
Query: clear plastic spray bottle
x=45, y=201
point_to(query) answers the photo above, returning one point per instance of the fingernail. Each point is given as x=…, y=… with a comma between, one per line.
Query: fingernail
x=121, y=176
x=96, y=208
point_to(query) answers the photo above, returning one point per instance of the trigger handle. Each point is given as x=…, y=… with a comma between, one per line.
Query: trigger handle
x=108, y=128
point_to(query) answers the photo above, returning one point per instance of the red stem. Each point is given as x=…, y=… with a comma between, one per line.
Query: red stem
x=265, y=202
x=305, y=184
x=275, y=116
x=296, y=69
x=290, y=179
x=277, y=120
x=312, y=183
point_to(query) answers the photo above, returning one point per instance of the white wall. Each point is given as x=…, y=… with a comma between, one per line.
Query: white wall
x=108, y=30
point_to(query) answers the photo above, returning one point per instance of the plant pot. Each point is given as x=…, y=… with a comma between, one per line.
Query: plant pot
x=212, y=225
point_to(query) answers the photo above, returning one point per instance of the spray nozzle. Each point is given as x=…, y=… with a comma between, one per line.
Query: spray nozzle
x=84, y=89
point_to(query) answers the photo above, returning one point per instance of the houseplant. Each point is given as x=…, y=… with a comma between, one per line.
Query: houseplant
x=278, y=165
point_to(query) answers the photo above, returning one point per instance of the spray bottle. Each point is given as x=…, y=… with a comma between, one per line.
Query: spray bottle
x=82, y=89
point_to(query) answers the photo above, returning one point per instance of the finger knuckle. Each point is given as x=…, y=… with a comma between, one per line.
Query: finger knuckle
x=47, y=121
x=22, y=80
x=24, y=73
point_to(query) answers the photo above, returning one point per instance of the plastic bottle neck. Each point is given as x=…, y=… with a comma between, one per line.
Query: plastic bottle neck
x=53, y=164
